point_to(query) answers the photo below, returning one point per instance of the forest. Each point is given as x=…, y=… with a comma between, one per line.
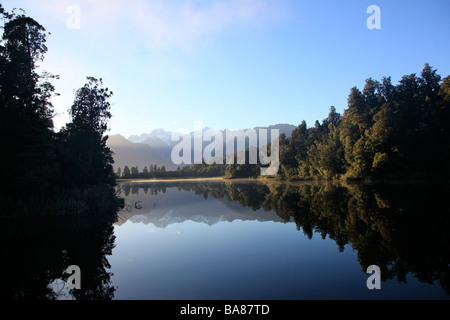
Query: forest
x=386, y=132
x=57, y=172
x=155, y=172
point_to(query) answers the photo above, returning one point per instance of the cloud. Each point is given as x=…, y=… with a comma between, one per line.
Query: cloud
x=162, y=23
x=134, y=45
x=182, y=23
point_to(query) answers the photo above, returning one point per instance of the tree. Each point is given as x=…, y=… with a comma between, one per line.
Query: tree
x=334, y=118
x=330, y=155
x=25, y=108
x=387, y=131
x=134, y=171
x=119, y=172
x=444, y=120
x=126, y=172
x=86, y=160
x=40, y=162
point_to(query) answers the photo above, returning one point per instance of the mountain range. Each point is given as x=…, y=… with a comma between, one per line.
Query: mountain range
x=155, y=148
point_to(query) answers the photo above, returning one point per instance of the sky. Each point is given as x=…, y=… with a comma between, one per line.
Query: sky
x=233, y=64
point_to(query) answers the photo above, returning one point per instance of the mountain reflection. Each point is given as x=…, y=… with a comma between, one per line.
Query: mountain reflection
x=162, y=203
x=402, y=228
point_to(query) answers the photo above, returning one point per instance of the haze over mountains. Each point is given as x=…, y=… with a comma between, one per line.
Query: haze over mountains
x=155, y=148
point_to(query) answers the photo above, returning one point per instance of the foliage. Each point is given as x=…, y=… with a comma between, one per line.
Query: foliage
x=42, y=167
x=85, y=159
x=25, y=108
x=387, y=132
x=156, y=172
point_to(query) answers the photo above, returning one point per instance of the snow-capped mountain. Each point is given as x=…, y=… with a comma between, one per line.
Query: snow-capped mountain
x=156, y=147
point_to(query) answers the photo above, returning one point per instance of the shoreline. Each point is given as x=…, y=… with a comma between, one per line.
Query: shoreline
x=174, y=180
x=289, y=181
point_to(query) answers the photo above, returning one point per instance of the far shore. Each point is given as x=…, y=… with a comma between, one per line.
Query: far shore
x=224, y=179
x=289, y=181
x=173, y=180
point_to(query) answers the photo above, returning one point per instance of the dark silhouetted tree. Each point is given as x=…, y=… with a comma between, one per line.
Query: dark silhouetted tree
x=86, y=160
x=25, y=108
x=126, y=172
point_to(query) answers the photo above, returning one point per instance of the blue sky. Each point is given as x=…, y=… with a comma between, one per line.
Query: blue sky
x=233, y=64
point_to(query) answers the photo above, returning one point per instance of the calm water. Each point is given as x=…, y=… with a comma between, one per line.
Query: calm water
x=241, y=240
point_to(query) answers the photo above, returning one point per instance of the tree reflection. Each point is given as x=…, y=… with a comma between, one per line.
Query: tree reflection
x=402, y=228
x=36, y=254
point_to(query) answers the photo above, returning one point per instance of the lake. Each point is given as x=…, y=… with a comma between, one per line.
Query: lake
x=240, y=240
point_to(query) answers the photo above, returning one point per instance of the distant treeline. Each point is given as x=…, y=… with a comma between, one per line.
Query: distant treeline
x=155, y=172
x=189, y=171
x=387, y=132
x=63, y=172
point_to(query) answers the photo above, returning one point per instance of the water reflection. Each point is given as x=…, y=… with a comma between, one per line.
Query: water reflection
x=402, y=228
x=162, y=204
x=36, y=253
